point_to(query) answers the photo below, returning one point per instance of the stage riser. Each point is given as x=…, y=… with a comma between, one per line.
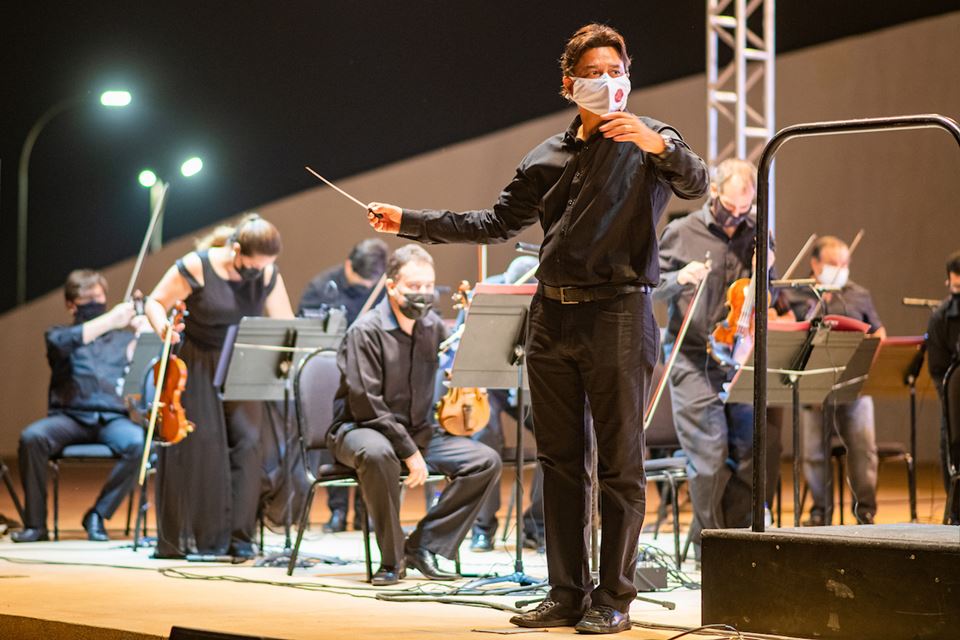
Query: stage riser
x=825, y=586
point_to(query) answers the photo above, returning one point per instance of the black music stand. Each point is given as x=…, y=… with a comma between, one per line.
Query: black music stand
x=899, y=364
x=492, y=355
x=257, y=361
x=818, y=358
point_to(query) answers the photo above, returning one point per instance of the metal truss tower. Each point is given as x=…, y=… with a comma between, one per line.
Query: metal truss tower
x=740, y=95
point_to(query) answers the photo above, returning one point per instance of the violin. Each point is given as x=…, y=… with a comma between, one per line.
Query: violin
x=462, y=411
x=731, y=341
x=168, y=420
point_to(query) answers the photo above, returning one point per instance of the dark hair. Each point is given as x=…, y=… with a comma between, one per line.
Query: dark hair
x=80, y=281
x=826, y=242
x=405, y=255
x=953, y=263
x=256, y=236
x=592, y=36
x=368, y=258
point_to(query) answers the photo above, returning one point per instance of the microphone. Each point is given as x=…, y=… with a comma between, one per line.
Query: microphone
x=921, y=302
x=528, y=248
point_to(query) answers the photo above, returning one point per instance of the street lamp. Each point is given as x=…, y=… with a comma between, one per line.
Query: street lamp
x=150, y=180
x=112, y=99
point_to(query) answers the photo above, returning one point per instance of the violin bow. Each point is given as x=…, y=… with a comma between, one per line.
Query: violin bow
x=675, y=351
x=154, y=216
x=800, y=254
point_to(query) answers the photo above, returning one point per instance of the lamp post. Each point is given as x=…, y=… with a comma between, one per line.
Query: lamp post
x=149, y=179
x=110, y=99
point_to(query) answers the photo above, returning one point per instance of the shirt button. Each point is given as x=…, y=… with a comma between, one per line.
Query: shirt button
x=576, y=176
x=569, y=203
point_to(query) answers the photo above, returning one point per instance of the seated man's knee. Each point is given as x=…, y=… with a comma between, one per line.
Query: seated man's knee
x=377, y=453
x=33, y=438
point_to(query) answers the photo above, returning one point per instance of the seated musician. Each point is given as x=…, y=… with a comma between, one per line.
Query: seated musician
x=943, y=349
x=853, y=421
x=382, y=418
x=88, y=360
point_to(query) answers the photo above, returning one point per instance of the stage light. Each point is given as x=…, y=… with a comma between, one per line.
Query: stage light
x=115, y=98
x=147, y=178
x=191, y=167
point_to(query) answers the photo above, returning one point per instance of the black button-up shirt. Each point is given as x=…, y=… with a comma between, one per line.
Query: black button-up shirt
x=387, y=378
x=331, y=288
x=86, y=378
x=598, y=202
x=943, y=338
x=851, y=301
x=689, y=239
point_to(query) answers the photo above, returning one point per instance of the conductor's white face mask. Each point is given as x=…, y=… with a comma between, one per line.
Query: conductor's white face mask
x=601, y=95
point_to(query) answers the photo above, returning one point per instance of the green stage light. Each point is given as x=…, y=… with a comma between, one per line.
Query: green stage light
x=147, y=178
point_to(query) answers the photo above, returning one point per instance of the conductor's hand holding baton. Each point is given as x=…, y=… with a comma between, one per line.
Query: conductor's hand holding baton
x=384, y=218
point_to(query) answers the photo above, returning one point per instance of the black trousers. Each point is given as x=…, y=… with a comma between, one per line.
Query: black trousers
x=472, y=468
x=602, y=351
x=47, y=437
x=492, y=436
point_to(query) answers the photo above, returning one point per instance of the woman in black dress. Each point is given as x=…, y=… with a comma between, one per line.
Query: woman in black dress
x=208, y=485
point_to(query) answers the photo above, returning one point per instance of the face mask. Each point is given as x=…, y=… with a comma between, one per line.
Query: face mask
x=832, y=275
x=89, y=311
x=601, y=95
x=724, y=216
x=247, y=273
x=415, y=305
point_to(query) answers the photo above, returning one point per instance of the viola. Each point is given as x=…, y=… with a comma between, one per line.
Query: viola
x=462, y=411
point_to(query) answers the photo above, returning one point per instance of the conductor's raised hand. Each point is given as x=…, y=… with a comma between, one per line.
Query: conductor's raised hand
x=384, y=218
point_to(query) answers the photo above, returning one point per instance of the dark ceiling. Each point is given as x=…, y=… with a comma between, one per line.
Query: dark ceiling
x=258, y=89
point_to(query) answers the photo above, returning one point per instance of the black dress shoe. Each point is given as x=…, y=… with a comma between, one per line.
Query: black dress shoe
x=481, y=542
x=534, y=542
x=337, y=522
x=387, y=575
x=242, y=551
x=358, y=523
x=601, y=619
x=30, y=535
x=426, y=563
x=816, y=519
x=93, y=523
x=548, y=614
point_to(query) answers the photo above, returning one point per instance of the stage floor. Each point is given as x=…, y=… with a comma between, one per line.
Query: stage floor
x=78, y=589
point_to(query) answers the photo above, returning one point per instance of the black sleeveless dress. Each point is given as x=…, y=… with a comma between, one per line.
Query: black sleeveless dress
x=208, y=484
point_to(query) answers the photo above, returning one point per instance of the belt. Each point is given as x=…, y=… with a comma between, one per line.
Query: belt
x=576, y=295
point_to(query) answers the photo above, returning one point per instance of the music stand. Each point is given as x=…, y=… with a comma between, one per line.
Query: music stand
x=492, y=355
x=899, y=364
x=817, y=358
x=259, y=356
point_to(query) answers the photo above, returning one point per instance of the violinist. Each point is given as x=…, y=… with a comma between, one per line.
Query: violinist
x=208, y=486
x=717, y=437
x=88, y=361
x=943, y=349
x=853, y=421
x=382, y=421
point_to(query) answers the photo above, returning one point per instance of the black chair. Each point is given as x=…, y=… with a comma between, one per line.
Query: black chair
x=670, y=470
x=84, y=453
x=951, y=419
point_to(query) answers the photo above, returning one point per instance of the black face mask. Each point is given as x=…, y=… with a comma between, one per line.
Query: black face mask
x=89, y=311
x=247, y=273
x=416, y=305
x=724, y=216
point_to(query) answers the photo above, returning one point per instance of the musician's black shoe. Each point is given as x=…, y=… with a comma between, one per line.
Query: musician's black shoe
x=30, y=535
x=481, y=542
x=548, y=614
x=337, y=522
x=534, y=542
x=358, y=523
x=426, y=563
x=865, y=518
x=601, y=619
x=387, y=575
x=242, y=551
x=816, y=519
x=93, y=524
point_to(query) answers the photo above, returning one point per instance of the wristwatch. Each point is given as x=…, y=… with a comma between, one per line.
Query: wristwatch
x=668, y=145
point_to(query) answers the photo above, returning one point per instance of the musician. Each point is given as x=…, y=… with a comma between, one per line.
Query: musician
x=716, y=437
x=853, y=421
x=208, y=485
x=88, y=361
x=598, y=189
x=348, y=286
x=943, y=349
x=505, y=401
x=382, y=409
